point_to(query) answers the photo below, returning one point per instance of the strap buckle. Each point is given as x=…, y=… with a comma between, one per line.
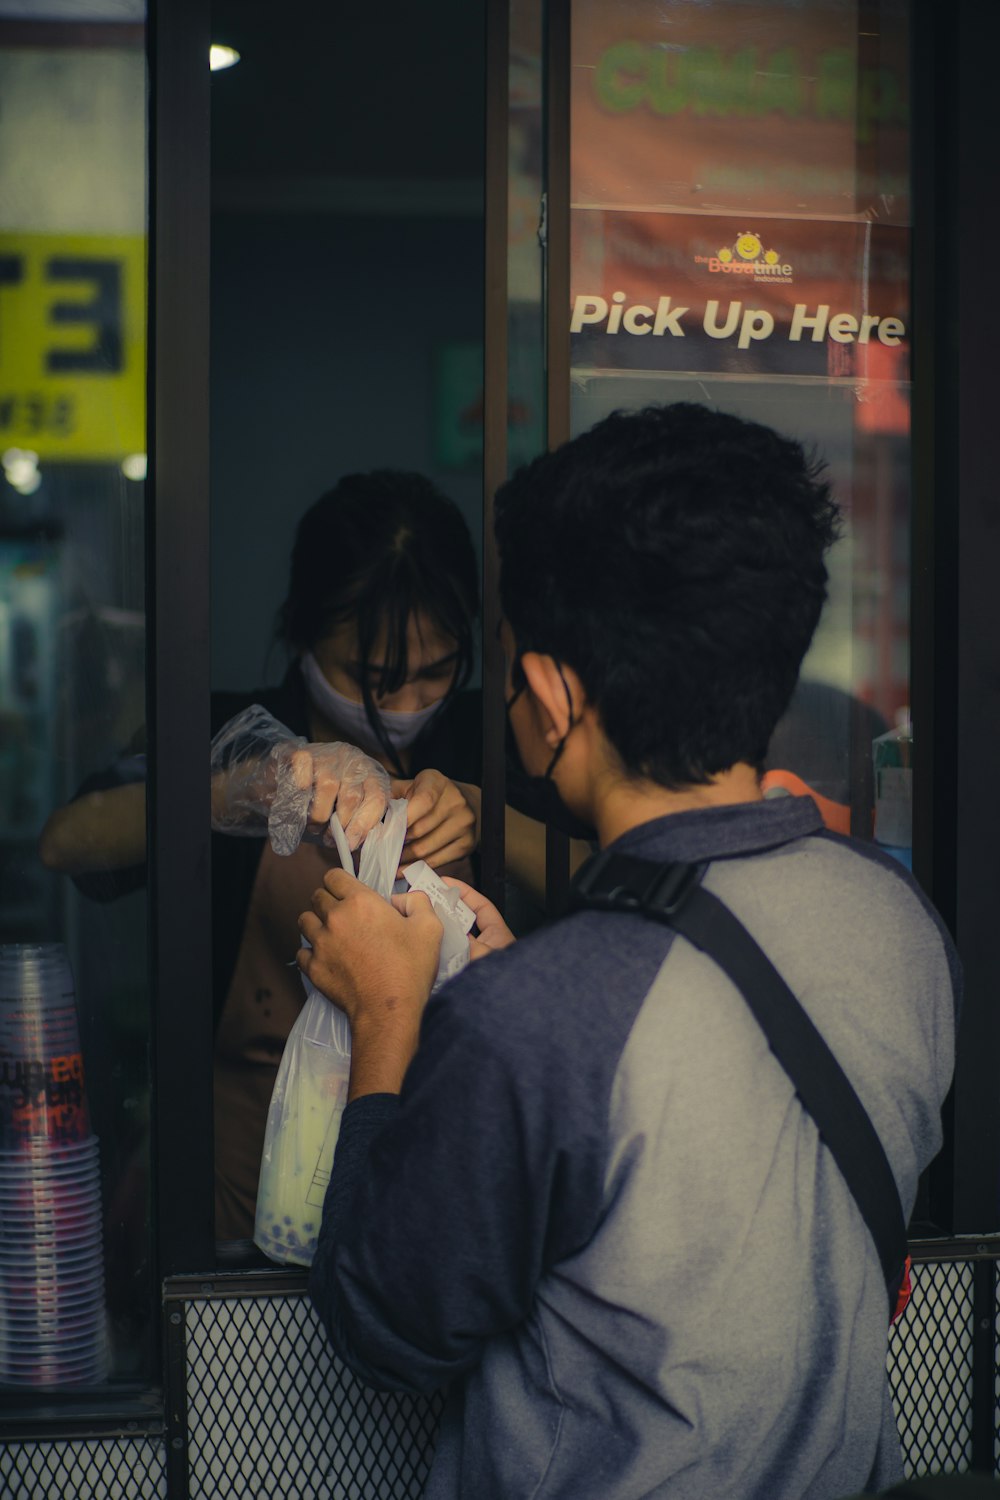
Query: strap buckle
x=671, y=888
x=609, y=881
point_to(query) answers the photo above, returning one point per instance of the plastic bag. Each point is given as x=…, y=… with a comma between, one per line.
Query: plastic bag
x=310, y=1090
x=264, y=779
x=455, y=917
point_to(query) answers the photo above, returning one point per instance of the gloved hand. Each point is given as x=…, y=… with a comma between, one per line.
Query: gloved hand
x=267, y=780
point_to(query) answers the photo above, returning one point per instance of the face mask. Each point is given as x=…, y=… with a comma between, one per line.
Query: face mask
x=538, y=796
x=400, y=729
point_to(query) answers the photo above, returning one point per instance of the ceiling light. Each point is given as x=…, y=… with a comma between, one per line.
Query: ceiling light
x=220, y=57
x=20, y=467
x=133, y=466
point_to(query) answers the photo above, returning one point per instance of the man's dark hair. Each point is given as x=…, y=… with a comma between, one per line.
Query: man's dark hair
x=376, y=549
x=674, y=557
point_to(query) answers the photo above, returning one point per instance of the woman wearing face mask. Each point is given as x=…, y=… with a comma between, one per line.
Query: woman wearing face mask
x=379, y=624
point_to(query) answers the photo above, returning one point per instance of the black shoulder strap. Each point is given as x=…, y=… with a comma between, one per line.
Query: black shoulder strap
x=673, y=894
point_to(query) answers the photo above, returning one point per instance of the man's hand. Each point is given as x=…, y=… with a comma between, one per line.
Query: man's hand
x=492, y=932
x=442, y=819
x=377, y=961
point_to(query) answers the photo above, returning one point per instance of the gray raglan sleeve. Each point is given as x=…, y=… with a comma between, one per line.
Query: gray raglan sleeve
x=444, y=1206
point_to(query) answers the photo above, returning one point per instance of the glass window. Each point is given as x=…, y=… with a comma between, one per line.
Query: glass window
x=76, y=1289
x=740, y=237
x=346, y=324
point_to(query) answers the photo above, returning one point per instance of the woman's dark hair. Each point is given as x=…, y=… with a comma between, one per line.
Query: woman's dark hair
x=376, y=549
x=674, y=557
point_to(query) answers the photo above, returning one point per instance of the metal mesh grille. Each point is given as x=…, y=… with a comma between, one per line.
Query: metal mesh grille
x=97, y=1468
x=273, y=1412
x=930, y=1369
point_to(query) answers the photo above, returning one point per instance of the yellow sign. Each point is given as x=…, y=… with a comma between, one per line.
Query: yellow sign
x=73, y=345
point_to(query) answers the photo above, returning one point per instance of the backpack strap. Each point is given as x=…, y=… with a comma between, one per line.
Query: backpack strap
x=673, y=894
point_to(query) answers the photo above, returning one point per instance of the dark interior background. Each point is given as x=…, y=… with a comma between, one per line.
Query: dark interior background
x=347, y=278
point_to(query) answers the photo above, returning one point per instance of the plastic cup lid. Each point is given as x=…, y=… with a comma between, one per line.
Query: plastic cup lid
x=32, y=1294
x=42, y=1306
x=34, y=1162
x=42, y=1342
x=73, y=1343
x=85, y=1350
x=58, y=1180
x=68, y=1379
x=70, y=1148
x=64, y=1210
x=23, y=1362
x=53, y=1252
x=28, y=1290
x=40, y=1169
x=30, y=1233
x=26, y=1203
x=66, y=1313
x=78, y=1327
x=58, y=1205
x=93, y=1351
x=21, y=1279
x=47, y=1372
x=63, y=1230
x=88, y=1351
x=59, y=1172
x=63, y=1227
x=54, y=1335
x=68, y=1303
x=92, y=1140
x=49, y=1258
x=58, y=1185
x=52, y=1247
x=40, y=1174
x=66, y=1193
x=55, y=1215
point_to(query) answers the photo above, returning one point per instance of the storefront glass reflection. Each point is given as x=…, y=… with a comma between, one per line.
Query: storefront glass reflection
x=75, y=1102
x=740, y=223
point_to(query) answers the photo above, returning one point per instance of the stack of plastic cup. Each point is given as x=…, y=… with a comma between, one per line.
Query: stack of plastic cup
x=52, y=1316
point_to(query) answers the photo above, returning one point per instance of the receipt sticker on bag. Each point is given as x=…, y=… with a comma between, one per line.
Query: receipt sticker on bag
x=310, y=1090
x=455, y=917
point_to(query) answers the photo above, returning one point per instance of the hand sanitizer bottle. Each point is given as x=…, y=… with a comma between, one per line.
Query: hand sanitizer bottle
x=892, y=754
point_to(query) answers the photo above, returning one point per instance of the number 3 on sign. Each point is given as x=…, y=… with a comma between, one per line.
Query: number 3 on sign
x=72, y=344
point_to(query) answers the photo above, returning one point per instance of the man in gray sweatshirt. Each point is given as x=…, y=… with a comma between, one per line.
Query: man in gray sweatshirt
x=576, y=1187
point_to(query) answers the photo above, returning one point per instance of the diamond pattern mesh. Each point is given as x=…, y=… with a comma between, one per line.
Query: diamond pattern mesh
x=95, y=1469
x=273, y=1412
x=930, y=1369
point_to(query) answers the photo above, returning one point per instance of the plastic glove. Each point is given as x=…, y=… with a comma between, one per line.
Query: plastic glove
x=266, y=780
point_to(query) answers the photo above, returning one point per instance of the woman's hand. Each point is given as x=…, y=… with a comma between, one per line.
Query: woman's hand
x=267, y=780
x=316, y=781
x=442, y=819
x=492, y=932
